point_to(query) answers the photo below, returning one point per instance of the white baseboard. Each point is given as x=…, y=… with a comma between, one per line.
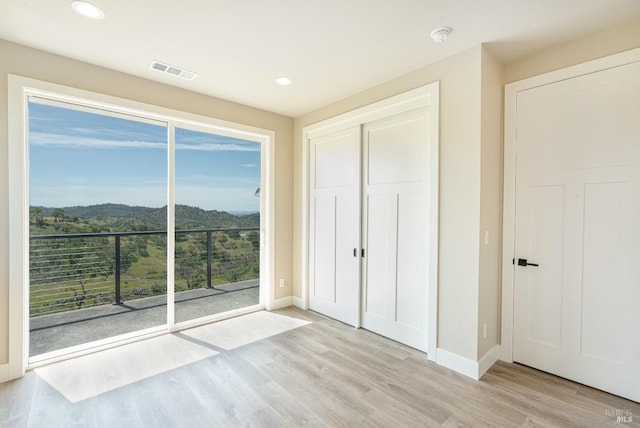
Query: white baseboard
x=299, y=303
x=4, y=373
x=466, y=366
x=457, y=363
x=280, y=303
x=488, y=360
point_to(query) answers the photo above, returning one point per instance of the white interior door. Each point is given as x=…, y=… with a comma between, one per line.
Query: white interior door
x=394, y=224
x=335, y=225
x=577, y=217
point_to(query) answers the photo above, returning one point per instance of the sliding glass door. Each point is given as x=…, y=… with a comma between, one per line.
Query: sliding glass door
x=217, y=222
x=100, y=264
x=97, y=242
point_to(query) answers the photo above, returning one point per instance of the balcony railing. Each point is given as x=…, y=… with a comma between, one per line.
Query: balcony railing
x=80, y=270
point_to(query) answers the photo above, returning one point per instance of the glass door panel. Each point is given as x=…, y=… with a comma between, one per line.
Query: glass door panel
x=217, y=222
x=98, y=221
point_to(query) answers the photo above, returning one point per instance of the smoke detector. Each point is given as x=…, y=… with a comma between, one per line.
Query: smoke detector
x=173, y=70
x=440, y=34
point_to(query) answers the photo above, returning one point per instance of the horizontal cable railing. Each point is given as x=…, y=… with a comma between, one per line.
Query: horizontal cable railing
x=80, y=270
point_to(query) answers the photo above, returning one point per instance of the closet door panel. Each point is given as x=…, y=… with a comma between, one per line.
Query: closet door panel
x=347, y=280
x=394, y=155
x=410, y=262
x=395, y=286
x=379, y=262
x=325, y=248
x=334, y=233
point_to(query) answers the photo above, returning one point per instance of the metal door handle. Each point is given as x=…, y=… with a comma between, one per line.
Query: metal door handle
x=524, y=262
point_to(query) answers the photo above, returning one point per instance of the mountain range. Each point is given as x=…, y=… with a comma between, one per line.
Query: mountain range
x=137, y=217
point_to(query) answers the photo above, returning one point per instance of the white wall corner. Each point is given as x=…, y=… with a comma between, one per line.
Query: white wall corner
x=466, y=366
x=298, y=302
x=488, y=360
x=280, y=303
x=4, y=373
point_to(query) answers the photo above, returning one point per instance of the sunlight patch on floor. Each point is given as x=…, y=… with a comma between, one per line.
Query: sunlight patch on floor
x=235, y=332
x=90, y=375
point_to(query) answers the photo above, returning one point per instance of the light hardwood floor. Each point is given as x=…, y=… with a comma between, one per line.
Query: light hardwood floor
x=294, y=369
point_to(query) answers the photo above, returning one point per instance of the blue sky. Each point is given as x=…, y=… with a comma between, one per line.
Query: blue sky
x=80, y=158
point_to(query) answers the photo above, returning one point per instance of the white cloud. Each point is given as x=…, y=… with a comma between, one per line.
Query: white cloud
x=112, y=133
x=217, y=147
x=42, y=139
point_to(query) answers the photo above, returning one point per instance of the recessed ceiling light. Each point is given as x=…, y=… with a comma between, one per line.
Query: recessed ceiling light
x=440, y=34
x=87, y=10
x=283, y=81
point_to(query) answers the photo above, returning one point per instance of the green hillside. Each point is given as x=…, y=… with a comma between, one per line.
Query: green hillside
x=75, y=272
x=102, y=210
x=125, y=218
x=194, y=218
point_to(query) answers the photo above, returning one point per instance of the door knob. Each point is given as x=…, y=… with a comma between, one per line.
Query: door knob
x=524, y=262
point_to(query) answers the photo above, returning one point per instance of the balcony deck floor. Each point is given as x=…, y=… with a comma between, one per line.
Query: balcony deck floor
x=62, y=330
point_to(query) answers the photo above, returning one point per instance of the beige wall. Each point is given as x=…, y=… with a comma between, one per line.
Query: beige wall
x=608, y=42
x=460, y=104
x=20, y=60
x=490, y=204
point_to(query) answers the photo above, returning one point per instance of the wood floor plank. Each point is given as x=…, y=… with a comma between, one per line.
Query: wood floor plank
x=393, y=412
x=290, y=407
x=324, y=399
x=322, y=374
x=119, y=409
x=533, y=392
x=19, y=393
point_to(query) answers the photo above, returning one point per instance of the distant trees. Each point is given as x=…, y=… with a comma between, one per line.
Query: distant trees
x=36, y=217
x=127, y=259
x=58, y=215
x=254, y=239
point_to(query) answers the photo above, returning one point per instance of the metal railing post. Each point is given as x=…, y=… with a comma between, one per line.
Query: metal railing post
x=209, y=259
x=118, y=297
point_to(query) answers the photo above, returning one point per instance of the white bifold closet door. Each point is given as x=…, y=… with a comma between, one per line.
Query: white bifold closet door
x=368, y=226
x=335, y=225
x=394, y=225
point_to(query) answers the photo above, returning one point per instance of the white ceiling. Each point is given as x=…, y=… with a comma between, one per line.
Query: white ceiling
x=330, y=48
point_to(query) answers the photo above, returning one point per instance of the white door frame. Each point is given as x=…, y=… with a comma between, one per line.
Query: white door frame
x=509, y=207
x=425, y=96
x=19, y=88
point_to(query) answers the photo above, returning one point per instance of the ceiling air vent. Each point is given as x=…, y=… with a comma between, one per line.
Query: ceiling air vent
x=173, y=70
